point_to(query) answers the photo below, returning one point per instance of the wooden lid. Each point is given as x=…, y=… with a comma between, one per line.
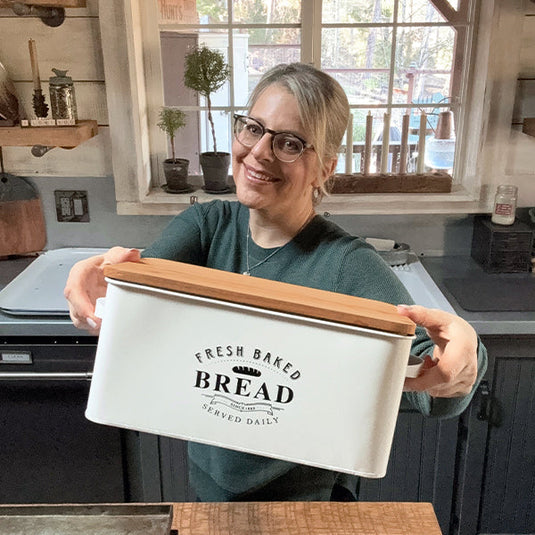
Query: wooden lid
x=262, y=293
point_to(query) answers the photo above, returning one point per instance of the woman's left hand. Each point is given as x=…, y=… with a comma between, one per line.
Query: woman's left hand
x=452, y=370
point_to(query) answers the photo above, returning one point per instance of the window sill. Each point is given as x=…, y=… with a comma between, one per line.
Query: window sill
x=459, y=201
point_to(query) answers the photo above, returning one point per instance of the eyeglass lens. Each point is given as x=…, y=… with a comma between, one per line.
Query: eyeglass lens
x=286, y=147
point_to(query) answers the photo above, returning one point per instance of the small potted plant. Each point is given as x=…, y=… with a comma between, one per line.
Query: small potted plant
x=175, y=169
x=205, y=72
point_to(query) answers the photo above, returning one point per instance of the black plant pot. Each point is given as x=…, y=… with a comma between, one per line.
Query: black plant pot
x=215, y=171
x=176, y=174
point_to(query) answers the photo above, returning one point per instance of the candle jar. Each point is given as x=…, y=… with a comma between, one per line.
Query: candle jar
x=62, y=97
x=440, y=148
x=505, y=205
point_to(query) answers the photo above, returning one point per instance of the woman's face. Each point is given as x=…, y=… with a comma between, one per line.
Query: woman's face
x=262, y=181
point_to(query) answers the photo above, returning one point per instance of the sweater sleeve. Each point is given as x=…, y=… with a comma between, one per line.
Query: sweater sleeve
x=365, y=274
x=181, y=240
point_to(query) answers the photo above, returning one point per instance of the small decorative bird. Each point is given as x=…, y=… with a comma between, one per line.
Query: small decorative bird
x=9, y=103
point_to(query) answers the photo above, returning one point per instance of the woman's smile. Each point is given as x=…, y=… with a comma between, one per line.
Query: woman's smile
x=256, y=175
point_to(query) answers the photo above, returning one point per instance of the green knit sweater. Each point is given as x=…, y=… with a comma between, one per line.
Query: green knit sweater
x=321, y=256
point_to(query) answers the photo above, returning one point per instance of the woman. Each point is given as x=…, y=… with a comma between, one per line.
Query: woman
x=284, y=152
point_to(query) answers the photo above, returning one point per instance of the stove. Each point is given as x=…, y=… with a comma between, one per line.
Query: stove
x=38, y=290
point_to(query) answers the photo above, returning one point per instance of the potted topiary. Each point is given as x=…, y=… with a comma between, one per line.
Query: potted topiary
x=205, y=72
x=175, y=169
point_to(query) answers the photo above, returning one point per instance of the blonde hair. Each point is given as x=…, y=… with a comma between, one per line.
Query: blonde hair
x=322, y=103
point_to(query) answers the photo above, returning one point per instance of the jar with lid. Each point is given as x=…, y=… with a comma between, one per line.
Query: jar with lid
x=62, y=97
x=505, y=205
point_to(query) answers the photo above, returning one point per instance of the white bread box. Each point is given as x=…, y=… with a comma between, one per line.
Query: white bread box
x=249, y=364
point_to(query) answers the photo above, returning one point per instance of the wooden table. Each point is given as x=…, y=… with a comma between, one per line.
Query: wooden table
x=305, y=518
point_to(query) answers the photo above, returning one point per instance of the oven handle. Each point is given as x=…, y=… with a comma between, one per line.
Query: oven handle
x=48, y=376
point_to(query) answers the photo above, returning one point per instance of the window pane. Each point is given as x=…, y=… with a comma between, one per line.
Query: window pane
x=418, y=11
x=256, y=51
x=359, y=58
x=267, y=11
x=187, y=142
x=222, y=132
x=175, y=46
x=424, y=62
x=212, y=11
x=351, y=11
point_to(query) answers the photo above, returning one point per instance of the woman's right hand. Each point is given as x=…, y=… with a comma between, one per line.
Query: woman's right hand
x=86, y=284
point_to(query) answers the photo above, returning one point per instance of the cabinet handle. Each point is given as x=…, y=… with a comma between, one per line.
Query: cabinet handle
x=484, y=401
x=489, y=407
x=49, y=376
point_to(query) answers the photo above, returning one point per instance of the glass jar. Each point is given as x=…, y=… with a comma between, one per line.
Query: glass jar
x=505, y=205
x=62, y=97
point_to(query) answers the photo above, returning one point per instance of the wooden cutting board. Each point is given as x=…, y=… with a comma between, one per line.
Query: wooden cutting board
x=262, y=293
x=305, y=518
x=22, y=223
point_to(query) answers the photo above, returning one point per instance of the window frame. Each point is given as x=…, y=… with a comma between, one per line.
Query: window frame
x=130, y=41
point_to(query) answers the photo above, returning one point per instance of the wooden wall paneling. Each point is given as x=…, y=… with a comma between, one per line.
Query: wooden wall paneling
x=75, y=45
x=527, y=48
x=90, y=99
x=91, y=159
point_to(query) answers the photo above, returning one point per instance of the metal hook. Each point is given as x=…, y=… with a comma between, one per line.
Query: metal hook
x=40, y=150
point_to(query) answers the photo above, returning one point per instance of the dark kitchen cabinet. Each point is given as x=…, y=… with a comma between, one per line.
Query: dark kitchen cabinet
x=496, y=474
x=50, y=453
x=421, y=466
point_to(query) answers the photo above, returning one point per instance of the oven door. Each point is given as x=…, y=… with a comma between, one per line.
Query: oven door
x=49, y=451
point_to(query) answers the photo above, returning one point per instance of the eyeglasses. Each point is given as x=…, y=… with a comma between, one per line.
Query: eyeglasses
x=286, y=147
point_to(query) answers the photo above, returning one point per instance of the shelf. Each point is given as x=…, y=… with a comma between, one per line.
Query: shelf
x=46, y=3
x=50, y=136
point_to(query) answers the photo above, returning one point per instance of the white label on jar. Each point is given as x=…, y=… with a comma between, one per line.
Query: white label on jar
x=503, y=209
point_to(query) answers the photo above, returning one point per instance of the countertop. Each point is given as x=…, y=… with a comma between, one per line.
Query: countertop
x=439, y=268
x=485, y=323
x=310, y=518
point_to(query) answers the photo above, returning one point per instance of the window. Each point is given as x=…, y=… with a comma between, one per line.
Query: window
x=391, y=56
x=394, y=57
